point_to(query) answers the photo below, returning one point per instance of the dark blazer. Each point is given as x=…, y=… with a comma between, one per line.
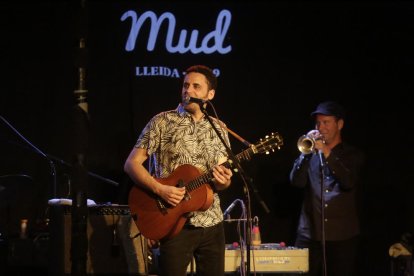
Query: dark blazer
x=341, y=174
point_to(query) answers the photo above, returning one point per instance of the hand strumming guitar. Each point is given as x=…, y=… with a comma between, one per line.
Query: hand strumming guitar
x=171, y=194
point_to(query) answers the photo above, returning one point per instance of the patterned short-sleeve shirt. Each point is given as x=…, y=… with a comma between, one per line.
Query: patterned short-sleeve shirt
x=172, y=138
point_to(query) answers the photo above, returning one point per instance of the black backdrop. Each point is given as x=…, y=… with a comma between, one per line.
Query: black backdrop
x=285, y=58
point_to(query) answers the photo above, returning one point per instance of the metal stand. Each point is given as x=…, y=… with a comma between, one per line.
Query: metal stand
x=323, y=240
x=238, y=169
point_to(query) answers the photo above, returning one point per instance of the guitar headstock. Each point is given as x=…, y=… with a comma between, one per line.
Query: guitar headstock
x=270, y=143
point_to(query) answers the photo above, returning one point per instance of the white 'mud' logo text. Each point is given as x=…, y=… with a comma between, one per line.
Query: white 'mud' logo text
x=210, y=43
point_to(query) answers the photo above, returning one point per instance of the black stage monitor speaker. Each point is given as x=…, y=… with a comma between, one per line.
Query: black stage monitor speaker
x=115, y=246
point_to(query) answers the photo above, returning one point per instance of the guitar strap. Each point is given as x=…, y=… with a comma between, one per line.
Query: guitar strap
x=235, y=135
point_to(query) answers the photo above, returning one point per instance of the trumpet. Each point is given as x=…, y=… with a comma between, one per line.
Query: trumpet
x=306, y=144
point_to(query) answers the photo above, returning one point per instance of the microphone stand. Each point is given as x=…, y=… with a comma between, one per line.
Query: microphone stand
x=94, y=175
x=253, y=188
x=64, y=163
x=79, y=242
x=38, y=151
x=322, y=167
x=242, y=231
x=244, y=178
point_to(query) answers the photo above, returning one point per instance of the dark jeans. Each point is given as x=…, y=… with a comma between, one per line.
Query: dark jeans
x=205, y=244
x=341, y=256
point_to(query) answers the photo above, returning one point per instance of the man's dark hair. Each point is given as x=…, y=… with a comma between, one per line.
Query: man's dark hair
x=207, y=72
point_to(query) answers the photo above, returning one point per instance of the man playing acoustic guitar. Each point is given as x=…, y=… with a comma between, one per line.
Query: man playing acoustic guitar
x=183, y=150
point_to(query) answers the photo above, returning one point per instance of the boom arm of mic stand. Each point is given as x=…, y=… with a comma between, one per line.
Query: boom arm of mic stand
x=109, y=181
x=38, y=151
x=237, y=163
x=243, y=176
x=229, y=152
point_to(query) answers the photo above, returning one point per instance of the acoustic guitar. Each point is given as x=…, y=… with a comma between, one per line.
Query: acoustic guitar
x=156, y=219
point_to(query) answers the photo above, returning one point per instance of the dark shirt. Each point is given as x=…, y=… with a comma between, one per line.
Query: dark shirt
x=341, y=172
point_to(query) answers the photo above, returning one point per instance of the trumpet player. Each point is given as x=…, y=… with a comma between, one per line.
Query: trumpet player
x=328, y=169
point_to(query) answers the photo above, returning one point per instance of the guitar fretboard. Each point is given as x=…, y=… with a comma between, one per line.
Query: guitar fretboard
x=207, y=177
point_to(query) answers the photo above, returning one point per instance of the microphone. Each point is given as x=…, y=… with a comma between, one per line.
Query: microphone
x=320, y=154
x=228, y=210
x=189, y=99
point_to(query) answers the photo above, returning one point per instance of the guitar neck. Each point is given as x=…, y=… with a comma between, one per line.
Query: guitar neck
x=270, y=143
x=208, y=177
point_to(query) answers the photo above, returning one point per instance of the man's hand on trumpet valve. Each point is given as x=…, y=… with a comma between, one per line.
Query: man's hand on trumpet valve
x=319, y=141
x=315, y=135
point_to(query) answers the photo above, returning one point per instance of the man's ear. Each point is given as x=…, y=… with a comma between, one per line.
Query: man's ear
x=211, y=94
x=340, y=124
